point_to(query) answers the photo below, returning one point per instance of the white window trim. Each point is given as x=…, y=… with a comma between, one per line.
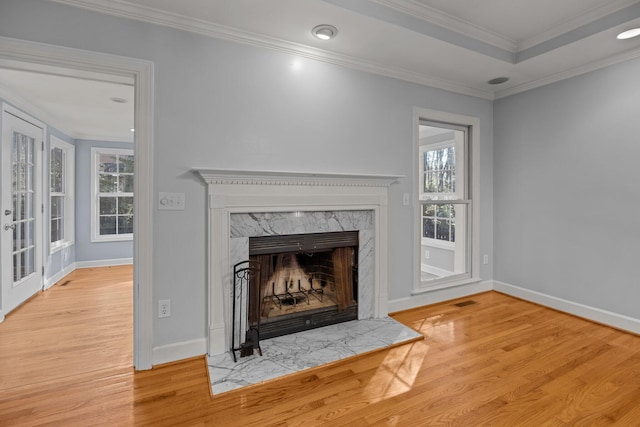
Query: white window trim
x=473, y=165
x=69, y=169
x=95, y=224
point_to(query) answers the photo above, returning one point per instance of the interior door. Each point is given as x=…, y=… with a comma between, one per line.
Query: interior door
x=21, y=210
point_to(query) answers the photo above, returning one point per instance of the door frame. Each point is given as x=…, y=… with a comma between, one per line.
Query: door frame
x=27, y=55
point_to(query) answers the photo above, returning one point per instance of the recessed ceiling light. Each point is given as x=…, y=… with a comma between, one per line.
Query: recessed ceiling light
x=634, y=32
x=324, y=32
x=132, y=130
x=498, y=80
x=118, y=100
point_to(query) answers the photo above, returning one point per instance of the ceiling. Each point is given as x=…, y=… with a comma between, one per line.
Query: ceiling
x=84, y=108
x=454, y=45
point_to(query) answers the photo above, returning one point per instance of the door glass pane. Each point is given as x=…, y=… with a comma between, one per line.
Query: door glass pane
x=16, y=267
x=29, y=178
x=30, y=148
x=29, y=240
x=16, y=237
x=29, y=213
x=23, y=206
x=22, y=156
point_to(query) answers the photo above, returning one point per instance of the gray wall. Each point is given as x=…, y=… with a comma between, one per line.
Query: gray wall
x=86, y=250
x=224, y=105
x=566, y=189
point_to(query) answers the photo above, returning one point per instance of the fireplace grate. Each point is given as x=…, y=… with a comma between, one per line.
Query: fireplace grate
x=284, y=325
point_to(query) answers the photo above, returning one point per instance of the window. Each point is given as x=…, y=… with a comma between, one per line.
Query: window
x=61, y=194
x=112, y=188
x=438, y=179
x=444, y=203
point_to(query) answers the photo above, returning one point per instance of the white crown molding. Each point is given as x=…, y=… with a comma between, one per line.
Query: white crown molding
x=198, y=26
x=572, y=72
x=453, y=23
x=228, y=176
x=437, y=17
x=578, y=21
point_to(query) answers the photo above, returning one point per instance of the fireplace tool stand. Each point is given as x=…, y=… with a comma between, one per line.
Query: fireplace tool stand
x=244, y=274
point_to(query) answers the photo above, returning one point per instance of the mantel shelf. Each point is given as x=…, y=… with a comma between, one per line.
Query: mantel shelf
x=256, y=177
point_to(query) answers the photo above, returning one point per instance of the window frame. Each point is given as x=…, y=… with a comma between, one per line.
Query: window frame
x=96, y=195
x=470, y=199
x=68, y=194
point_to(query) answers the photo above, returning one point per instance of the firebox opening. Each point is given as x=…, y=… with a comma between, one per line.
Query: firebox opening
x=306, y=281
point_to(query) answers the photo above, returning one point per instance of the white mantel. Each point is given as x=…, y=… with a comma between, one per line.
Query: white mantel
x=233, y=191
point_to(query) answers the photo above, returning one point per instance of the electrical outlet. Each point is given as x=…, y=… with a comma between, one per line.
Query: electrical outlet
x=427, y=254
x=485, y=259
x=405, y=199
x=164, y=308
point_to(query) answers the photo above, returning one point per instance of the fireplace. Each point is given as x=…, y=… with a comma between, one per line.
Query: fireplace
x=246, y=205
x=306, y=281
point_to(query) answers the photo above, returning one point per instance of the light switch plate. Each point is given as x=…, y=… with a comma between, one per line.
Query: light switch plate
x=171, y=201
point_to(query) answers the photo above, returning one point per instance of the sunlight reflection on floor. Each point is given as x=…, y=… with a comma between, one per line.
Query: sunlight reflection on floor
x=397, y=372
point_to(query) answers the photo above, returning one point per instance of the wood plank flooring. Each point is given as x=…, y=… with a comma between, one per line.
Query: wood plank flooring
x=65, y=359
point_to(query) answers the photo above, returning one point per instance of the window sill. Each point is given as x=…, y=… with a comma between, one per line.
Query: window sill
x=435, y=243
x=124, y=238
x=60, y=246
x=442, y=284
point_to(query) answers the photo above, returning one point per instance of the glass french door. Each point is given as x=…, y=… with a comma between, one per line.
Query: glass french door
x=21, y=247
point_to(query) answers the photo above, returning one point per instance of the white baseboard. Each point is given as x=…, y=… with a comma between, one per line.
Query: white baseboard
x=178, y=351
x=59, y=276
x=104, y=263
x=591, y=313
x=439, y=295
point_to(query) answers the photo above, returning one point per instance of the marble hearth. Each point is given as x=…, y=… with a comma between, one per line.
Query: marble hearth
x=244, y=204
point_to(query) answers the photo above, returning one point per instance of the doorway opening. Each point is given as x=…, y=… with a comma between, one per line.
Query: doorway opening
x=29, y=56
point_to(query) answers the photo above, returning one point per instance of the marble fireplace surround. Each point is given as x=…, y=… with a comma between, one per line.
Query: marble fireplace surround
x=250, y=203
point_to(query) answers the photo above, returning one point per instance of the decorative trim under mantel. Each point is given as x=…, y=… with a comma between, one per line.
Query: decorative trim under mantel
x=228, y=176
x=237, y=191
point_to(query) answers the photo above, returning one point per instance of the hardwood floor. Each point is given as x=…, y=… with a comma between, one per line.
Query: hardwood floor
x=66, y=360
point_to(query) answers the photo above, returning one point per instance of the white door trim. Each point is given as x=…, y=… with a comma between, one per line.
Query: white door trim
x=39, y=186
x=23, y=54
